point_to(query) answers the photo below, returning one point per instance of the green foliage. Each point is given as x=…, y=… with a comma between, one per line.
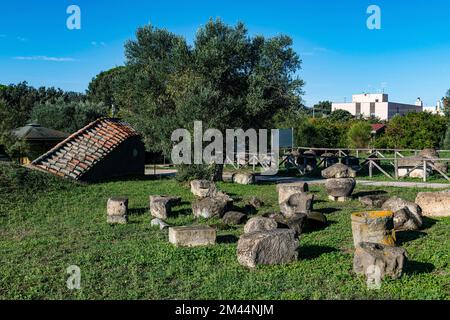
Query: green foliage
x=16, y=104
x=16, y=180
x=227, y=79
x=415, y=130
x=359, y=134
x=67, y=116
x=322, y=108
x=194, y=171
x=340, y=115
x=105, y=86
x=446, y=141
x=447, y=104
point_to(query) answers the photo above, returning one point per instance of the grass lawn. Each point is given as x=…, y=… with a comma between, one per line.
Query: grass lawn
x=41, y=234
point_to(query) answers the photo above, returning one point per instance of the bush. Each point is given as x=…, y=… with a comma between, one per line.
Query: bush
x=187, y=172
x=16, y=180
x=415, y=130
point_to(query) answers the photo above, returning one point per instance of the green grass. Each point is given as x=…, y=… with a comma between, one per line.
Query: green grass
x=42, y=233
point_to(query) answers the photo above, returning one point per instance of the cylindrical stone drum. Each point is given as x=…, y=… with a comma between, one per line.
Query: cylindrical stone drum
x=373, y=226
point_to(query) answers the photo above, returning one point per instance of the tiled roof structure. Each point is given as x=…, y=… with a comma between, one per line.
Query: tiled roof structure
x=76, y=155
x=377, y=127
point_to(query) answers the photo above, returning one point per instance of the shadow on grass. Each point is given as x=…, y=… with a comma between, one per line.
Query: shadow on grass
x=228, y=238
x=327, y=210
x=406, y=236
x=181, y=212
x=416, y=267
x=368, y=193
x=138, y=211
x=312, y=251
x=313, y=226
x=428, y=222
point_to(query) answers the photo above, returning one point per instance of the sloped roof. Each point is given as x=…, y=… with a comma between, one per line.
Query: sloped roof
x=378, y=126
x=77, y=154
x=34, y=131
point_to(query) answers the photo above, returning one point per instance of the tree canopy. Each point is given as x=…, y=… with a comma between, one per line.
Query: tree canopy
x=226, y=79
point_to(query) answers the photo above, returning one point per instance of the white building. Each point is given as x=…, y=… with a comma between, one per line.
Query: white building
x=378, y=105
x=438, y=109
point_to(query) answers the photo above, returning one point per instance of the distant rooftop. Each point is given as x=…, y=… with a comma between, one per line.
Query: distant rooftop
x=36, y=132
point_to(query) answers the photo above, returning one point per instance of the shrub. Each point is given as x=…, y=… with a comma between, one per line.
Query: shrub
x=16, y=180
x=187, y=172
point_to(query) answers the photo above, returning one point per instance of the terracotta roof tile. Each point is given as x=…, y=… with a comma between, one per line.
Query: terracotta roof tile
x=77, y=154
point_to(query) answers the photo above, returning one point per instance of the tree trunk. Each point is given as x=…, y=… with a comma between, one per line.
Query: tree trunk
x=218, y=171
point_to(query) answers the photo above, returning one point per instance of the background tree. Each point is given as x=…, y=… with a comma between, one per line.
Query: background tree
x=322, y=108
x=67, y=116
x=359, y=134
x=104, y=87
x=226, y=79
x=340, y=115
x=415, y=130
x=446, y=101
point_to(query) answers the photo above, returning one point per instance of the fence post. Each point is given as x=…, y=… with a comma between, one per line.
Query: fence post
x=424, y=170
x=370, y=168
x=395, y=166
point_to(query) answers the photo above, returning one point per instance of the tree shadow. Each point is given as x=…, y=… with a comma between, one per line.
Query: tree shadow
x=416, y=267
x=228, y=238
x=310, y=252
x=406, y=236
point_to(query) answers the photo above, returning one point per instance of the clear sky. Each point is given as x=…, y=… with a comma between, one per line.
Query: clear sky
x=408, y=58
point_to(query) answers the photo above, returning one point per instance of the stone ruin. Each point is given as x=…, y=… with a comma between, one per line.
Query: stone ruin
x=117, y=210
x=413, y=166
x=340, y=182
x=434, y=204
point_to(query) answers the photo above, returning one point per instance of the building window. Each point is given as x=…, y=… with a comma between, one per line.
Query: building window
x=358, y=109
x=372, y=108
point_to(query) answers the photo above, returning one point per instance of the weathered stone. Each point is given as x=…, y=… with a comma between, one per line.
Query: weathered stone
x=404, y=220
x=192, y=236
x=117, y=219
x=377, y=260
x=295, y=222
x=117, y=206
x=373, y=226
x=234, y=217
x=244, y=178
x=259, y=224
x=285, y=190
x=161, y=206
x=256, y=202
x=337, y=171
x=222, y=196
x=158, y=222
x=209, y=207
x=373, y=201
x=429, y=153
x=297, y=203
x=414, y=212
x=342, y=187
x=267, y=248
x=404, y=171
x=203, y=188
x=227, y=176
x=434, y=204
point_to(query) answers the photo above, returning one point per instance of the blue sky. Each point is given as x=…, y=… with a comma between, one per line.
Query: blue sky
x=409, y=57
